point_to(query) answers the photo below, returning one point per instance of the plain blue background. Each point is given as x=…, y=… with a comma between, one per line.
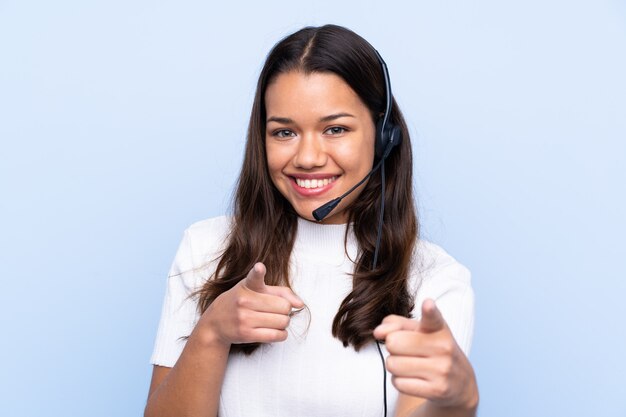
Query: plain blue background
x=122, y=122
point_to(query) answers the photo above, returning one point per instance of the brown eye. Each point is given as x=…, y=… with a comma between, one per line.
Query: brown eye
x=284, y=133
x=335, y=130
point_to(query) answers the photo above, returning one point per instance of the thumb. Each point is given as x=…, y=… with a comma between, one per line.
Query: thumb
x=255, y=280
x=432, y=320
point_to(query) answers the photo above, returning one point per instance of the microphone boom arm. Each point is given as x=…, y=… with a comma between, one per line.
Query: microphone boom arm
x=321, y=212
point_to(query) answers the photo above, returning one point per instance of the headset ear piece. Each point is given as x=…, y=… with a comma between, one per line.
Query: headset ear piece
x=389, y=138
x=396, y=135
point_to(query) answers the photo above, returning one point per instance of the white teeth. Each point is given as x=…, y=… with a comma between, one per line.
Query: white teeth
x=314, y=183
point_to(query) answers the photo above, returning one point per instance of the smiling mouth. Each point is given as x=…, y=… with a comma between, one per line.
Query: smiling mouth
x=314, y=183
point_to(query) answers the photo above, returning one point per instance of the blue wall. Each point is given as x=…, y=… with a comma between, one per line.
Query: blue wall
x=122, y=122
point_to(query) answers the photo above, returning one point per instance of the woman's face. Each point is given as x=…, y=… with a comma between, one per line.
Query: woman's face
x=319, y=141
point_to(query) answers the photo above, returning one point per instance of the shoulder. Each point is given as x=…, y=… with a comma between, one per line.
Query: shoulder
x=205, y=234
x=435, y=273
x=201, y=246
x=431, y=260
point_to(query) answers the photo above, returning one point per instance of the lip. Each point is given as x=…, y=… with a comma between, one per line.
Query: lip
x=318, y=176
x=306, y=192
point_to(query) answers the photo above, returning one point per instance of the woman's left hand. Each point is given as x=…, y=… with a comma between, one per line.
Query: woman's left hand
x=425, y=361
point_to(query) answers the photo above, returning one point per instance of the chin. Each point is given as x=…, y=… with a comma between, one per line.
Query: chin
x=307, y=214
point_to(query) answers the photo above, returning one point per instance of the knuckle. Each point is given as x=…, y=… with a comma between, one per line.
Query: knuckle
x=441, y=390
x=399, y=383
x=242, y=301
x=447, y=347
x=444, y=368
x=284, y=322
x=242, y=316
x=393, y=342
x=444, y=347
x=390, y=318
x=396, y=319
x=396, y=383
x=244, y=335
x=284, y=306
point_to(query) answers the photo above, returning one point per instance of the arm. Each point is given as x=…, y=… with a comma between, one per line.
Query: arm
x=249, y=312
x=192, y=386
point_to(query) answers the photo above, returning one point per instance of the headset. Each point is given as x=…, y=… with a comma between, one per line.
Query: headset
x=388, y=136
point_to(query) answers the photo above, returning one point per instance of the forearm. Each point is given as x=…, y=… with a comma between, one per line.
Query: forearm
x=192, y=387
x=430, y=409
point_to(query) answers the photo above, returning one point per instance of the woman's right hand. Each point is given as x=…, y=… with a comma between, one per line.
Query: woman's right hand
x=250, y=311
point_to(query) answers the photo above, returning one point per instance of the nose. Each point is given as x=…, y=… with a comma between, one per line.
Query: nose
x=310, y=152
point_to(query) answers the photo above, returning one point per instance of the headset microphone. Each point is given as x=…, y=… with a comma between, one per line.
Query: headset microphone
x=323, y=211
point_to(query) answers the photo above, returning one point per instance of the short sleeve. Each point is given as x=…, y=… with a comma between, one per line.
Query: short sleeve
x=179, y=313
x=446, y=281
x=195, y=262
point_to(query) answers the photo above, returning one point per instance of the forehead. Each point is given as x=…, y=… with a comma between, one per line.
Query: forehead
x=317, y=93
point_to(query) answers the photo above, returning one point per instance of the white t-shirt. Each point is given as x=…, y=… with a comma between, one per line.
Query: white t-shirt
x=311, y=373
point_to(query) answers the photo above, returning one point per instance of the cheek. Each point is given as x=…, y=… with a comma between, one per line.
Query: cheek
x=273, y=158
x=357, y=160
x=358, y=151
x=277, y=159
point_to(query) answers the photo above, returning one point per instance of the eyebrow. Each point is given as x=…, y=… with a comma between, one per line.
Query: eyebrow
x=330, y=117
x=335, y=116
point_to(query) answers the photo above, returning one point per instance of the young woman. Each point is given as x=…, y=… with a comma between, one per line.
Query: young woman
x=272, y=313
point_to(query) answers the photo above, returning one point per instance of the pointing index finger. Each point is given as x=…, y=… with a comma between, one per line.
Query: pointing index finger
x=432, y=320
x=255, y=280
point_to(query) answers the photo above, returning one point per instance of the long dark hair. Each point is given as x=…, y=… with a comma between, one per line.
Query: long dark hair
x=264, y=226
